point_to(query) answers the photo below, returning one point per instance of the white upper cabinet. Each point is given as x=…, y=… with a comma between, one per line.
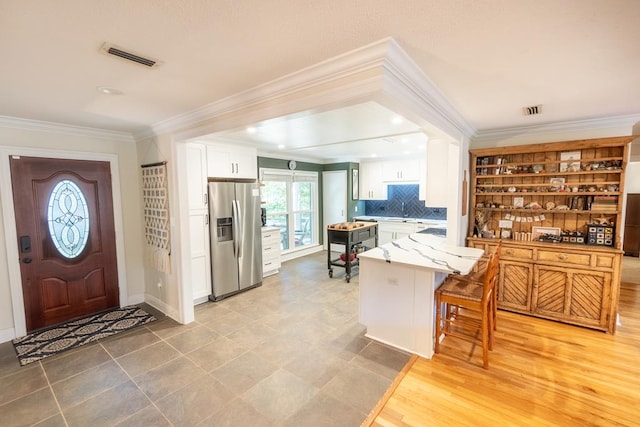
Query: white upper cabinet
x=371, y=185
x=225, y=161
x=401, y=170
x=422, y=181
x=197, y=176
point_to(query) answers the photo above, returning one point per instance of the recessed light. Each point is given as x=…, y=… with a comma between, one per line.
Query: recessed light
x=109, y=90
x=396, y=120
x=251, y=129
x=374, y=155
x=281, y=146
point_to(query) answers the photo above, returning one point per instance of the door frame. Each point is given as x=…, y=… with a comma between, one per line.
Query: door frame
x=327, y=200
x=9, y=216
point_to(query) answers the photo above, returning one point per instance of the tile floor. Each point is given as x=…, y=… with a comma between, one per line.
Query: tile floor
x=289, y=353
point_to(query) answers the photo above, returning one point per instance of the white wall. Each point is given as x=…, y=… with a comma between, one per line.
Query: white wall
x=58, y=139
x=162, y=290
x=632, y=178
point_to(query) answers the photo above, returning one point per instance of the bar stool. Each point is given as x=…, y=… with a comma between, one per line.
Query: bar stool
x=464, y=296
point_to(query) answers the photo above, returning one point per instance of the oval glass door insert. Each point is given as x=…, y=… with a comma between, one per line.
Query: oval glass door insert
x=68, y=218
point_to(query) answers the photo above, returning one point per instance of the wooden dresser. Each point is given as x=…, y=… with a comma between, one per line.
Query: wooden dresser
x=545, y=202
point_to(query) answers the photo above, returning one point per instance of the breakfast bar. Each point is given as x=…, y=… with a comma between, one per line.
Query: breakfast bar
x=397, y=285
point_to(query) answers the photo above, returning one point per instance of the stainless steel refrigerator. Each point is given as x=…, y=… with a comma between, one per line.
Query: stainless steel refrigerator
x=236, y=239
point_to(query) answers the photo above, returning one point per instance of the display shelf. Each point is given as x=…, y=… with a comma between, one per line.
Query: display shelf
x=512, y=202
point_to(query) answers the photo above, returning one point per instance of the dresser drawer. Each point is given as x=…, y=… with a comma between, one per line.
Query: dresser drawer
x=517, y=253
x=564, y=257
x=605, y=260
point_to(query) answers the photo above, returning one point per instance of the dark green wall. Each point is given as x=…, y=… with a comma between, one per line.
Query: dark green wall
x=268, y=162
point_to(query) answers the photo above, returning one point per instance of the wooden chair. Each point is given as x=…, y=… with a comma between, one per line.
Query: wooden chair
x=469, y=304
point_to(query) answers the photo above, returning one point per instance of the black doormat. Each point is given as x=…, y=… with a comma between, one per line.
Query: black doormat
x=38, y=345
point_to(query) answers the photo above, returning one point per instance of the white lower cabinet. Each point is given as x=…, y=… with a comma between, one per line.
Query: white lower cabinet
x=270, y=251
x=389, y=231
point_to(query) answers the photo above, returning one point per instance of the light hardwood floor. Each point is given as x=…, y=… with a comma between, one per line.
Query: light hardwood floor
x=541, y=373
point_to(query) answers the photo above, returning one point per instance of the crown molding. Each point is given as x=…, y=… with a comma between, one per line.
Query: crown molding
x=411, y=83
x=307, y=79
x=601, y=123
x=381, y=71
x=51, y=127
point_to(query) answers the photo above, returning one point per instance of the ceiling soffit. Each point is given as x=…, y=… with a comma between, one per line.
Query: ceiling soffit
x=381, y=72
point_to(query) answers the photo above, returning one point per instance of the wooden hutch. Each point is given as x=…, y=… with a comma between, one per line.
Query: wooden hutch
x=557, y=208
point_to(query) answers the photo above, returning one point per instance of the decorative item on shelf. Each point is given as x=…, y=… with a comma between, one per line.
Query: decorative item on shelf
x=538, y=168
x=534, y=205
x=570, y=161
x=550, y=238
x=572, y=237
x=481, y=218
x=603, y=220
x=518, y=202
x=549, y=205
x=600, y=235
x=557, y=184
x=546, y=231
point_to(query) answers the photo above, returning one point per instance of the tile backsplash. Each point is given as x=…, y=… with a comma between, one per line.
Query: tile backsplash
x=403, y=201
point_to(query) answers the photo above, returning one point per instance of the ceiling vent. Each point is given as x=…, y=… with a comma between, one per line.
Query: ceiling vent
x=113, y=50
x=532, y=111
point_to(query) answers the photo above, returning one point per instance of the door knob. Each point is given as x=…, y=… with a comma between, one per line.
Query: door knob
x=27, y=260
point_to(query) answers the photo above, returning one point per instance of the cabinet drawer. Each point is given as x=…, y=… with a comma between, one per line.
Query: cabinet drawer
x=564, y=257
x=362, y=235
x=517, y=253
x=605, y=260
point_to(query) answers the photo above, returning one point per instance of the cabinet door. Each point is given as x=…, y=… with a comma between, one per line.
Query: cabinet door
x=515, y=283
x=390, y=231
x=371, y=185
x=231, y=162
x=400, y=170
x=589, y=297
x=549, y=290
x=246, y=162
x=197, y=176
x=219, y=163
x=577, y=296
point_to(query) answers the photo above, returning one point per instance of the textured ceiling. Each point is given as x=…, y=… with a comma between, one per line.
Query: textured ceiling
x=578, y=58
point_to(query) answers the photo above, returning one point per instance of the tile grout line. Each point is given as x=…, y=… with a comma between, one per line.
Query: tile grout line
x=55, y=398
x=137, y=386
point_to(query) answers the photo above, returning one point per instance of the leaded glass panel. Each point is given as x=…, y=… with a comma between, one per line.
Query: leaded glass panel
x=68, y=218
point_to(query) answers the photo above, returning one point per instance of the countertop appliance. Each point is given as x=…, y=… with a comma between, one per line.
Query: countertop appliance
x=236, y=240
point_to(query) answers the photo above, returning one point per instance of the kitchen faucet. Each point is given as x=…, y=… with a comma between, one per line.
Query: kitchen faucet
x=404, y=214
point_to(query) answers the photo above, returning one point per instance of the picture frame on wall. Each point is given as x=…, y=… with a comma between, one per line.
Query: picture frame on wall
x=355, y=191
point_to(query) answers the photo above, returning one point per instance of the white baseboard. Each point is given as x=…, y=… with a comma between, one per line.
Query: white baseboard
x=200, y=300
x=300, y=253
x=160, y=305
x=135, y=299
x=7, y=334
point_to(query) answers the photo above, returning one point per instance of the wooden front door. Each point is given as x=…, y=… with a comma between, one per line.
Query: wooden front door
x=66, y=238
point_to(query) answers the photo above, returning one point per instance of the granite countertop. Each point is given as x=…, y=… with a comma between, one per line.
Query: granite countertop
x=438, y=222
x=426, y=251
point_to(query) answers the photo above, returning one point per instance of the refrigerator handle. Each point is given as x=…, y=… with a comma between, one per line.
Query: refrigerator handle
x=234, y=220
x=239, y=229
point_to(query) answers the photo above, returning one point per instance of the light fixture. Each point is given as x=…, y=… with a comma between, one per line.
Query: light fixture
x=281, y=146
x=374, y=155
x=108, y=90
x=396, y=120
x=251, y=129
